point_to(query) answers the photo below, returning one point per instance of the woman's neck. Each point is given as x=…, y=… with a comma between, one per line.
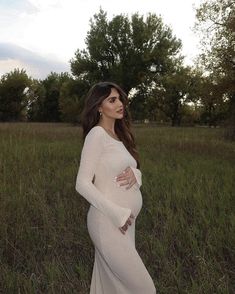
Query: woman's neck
x=108, y=125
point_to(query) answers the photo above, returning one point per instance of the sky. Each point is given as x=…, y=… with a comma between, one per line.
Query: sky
x=41, y=36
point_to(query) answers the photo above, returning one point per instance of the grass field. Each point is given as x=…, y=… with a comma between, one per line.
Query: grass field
x=185, y=230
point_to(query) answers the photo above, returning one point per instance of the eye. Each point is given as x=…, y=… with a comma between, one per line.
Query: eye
x=112, y=100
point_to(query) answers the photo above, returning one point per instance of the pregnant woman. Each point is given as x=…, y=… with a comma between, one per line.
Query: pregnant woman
x=109, y=178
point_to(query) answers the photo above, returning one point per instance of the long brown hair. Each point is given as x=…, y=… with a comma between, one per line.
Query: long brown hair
x=90, y=115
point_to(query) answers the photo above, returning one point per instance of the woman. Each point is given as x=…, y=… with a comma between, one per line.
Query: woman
x=109, y=178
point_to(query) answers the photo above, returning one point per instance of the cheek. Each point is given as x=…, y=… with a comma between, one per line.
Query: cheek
x=109, y=108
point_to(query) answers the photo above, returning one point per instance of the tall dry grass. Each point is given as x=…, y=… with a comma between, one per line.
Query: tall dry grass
x=184, y=233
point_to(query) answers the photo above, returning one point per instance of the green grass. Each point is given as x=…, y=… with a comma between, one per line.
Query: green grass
x=184, y=233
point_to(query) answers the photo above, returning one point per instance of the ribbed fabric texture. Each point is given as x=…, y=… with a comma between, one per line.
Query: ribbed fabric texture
x=118, y=268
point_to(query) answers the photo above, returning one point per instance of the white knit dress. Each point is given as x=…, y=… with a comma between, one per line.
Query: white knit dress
x=118, y=268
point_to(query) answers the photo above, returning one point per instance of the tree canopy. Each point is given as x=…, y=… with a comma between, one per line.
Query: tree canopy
x=216, y=23
x=13, y=95
x=141, y=54
x=126, y=50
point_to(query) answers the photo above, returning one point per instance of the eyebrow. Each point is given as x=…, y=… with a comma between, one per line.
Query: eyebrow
x=113, y=97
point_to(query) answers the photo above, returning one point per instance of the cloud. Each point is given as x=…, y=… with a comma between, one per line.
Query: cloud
x=45, y=4
x=12, y=55
x=55, y=29
x=16, y=5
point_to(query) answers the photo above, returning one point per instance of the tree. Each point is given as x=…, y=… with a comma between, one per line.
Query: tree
x=216, y=22
x=214, y=106
x=125, y=51
x=52, y=85
x=173, y=90
x=44, y=97
x=36, y=94
x=139, y=103
x=13, y=95
x=71, y=101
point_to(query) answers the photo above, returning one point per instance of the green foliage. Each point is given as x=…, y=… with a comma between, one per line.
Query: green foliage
x=36, y=94
x=59, y=97
x=52, y=85
x=13, y=95
x=140, y=54
x=214, y=106
x=216, y=23
x=125, y=50
x=174, y=90
x=216, y=20
x=184, y=232
x=71, y=102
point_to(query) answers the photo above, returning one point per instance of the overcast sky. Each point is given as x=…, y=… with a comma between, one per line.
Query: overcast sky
x=42, y=35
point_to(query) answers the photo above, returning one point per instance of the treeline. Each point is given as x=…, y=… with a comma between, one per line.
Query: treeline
x=143, y=56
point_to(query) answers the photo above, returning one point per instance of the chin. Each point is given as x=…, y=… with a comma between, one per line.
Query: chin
x=118, y=116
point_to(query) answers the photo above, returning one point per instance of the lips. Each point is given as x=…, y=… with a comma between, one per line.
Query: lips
x=120, y=111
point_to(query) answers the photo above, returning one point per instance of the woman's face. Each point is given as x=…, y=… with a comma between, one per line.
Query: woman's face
x=112, y=106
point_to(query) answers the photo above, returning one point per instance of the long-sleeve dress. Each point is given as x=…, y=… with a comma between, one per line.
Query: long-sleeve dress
x=118, y=268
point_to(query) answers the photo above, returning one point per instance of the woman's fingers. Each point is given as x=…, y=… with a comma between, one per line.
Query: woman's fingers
x=131, y=183
x=124, y=228
x=128, y=177
x=123, y=232
x=124, y=174
x=127, y=181
x=129, y=222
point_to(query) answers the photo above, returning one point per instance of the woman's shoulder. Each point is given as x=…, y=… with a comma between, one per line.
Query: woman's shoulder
x=96, y=132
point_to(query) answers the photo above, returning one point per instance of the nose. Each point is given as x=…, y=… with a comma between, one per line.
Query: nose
x=120, y=102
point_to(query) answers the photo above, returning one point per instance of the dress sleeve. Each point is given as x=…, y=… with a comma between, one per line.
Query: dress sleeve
x=138, y=175
x=91, y=152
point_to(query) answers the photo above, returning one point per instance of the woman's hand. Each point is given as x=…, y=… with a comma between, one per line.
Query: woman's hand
x=128, y=177
x=124, y=228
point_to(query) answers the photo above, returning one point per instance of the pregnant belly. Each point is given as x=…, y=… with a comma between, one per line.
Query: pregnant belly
x=131, y=198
